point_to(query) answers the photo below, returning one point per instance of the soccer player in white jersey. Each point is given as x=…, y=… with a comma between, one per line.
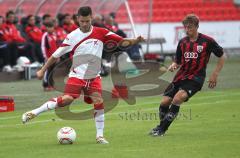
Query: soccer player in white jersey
x=85, y=42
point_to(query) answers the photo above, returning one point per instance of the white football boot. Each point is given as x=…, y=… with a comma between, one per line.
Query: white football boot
x=101, y=140
x=27, y=117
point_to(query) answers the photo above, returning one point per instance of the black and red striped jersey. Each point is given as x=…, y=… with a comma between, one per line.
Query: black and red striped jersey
x=194, y=56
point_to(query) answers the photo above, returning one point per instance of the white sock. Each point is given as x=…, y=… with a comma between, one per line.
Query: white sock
x=99, y=121
x=49, y=105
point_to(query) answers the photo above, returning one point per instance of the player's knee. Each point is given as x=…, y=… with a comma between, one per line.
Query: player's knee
x=184, y=96
x=96, y=98
x=166, y=101
x=180, y=97
x=67, y=99
x=98, y=106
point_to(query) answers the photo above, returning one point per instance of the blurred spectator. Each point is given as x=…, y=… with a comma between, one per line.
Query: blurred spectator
x=68, y=24
x=10, y=26
x=49, y=45
x=109, y=23
x=38, y=21
x=98, y=21
x=113, y=15
x=60, y=32
x=16, y=42
x=46, y=18
x=4, y=34
x=34, y=35
x=74, y=17
x=33, y=32
x=5, y=54
x=60, y=18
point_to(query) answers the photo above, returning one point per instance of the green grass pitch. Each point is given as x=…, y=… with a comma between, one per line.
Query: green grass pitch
x=208, y=125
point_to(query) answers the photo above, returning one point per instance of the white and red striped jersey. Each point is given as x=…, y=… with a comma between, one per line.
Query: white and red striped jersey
x=86, y=50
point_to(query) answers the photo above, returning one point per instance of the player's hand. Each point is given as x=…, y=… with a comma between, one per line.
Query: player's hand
x=40, y=74
x=173, y=67
x=212, y=82
x=140, y=39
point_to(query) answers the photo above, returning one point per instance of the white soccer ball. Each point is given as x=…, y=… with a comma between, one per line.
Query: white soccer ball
x=66, y=135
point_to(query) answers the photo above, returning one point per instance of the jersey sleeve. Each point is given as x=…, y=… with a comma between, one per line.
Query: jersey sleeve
x=65, y=47
x=110, y=36
x=178, y=54
x=215, y=48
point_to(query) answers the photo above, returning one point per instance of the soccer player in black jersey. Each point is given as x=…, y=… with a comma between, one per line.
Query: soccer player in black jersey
x=192, y=56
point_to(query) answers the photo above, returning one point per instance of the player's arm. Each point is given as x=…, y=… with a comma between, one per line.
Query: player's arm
x=129, y=42
x=177, y=63
x=63, y=49
x=49, y=63
x=212, y=82
x=120, y=41
x=217, y=51
x=173, y=67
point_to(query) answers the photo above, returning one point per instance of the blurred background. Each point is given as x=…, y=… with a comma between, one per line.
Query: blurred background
x=159, y=21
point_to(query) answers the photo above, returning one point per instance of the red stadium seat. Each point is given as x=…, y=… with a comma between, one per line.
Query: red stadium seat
x=163, y=10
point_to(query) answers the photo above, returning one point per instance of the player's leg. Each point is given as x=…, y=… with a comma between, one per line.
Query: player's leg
x=163, y=110
x=164, y=107
x=186, y=90
x=71, y=92
x=95, y=93
x=178, y=99
x=60, y=101
x=169, y=93
x=99, y=122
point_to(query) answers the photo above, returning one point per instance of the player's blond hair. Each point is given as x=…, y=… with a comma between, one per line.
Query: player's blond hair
x=191, y=19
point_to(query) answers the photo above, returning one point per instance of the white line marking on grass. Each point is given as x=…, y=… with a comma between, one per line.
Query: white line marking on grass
x=29, y=123
x=107, y=114
x=37, y=122
x=25, y=94
x=8, y=118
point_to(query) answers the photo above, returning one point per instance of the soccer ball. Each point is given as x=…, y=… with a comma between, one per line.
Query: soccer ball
x=66, y=135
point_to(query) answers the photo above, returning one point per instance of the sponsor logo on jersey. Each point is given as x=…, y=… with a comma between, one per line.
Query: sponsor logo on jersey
x=199, y=48
x=95, y=42
x=190, y=55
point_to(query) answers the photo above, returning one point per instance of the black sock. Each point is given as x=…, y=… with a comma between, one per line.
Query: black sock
x=170, y=116
x=163, y=110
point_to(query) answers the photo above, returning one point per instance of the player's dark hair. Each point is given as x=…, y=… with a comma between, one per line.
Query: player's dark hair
x=66, y=15
x=191, y=19
x=10, y=12
x=29, y=16
x=84, y=11
x=45, y=16
x=49, y=24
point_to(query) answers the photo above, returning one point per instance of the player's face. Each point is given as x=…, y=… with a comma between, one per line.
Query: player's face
x=85, y=23
x=50, y=29
x=11, y=18
x=67, y=20
x=31, y=20
x=191, y=30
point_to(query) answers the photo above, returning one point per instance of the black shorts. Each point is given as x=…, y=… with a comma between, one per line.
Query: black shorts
x=190, y=86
